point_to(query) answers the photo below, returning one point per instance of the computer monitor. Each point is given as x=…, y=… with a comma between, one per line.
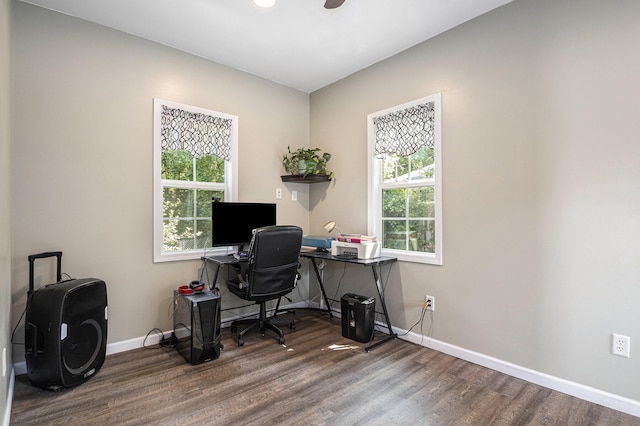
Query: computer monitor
x=233, y=222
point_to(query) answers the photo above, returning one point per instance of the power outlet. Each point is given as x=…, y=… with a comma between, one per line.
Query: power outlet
x=430, y=303
x=621, y=345
x=278, y=193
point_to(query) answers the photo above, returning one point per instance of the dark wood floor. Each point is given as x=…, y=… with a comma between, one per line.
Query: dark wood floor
x=318, y=378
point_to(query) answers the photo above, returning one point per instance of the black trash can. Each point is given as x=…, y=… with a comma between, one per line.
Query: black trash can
x=358, y=316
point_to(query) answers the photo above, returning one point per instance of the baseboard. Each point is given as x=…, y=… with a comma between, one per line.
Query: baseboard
x=7, y=407
x=587, y=393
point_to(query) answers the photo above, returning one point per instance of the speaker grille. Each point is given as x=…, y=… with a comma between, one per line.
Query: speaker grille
x=82, y=346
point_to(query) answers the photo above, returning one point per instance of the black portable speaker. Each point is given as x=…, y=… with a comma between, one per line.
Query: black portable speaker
x=66, y=332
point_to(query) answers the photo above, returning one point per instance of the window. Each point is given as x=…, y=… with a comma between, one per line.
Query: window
x=405, y=197
x=195, y=160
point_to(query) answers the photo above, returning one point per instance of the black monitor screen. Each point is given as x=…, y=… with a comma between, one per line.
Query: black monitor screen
x=233, y=223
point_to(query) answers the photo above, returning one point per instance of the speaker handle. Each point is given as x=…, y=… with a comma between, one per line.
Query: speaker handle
x=32, y=259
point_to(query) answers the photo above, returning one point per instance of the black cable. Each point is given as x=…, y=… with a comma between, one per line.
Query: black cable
x=420, y=321
x=430, y=325
x=16, y=328
x=160, y=343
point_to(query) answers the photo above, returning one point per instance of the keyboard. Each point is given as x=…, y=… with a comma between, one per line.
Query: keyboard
x=241, y=255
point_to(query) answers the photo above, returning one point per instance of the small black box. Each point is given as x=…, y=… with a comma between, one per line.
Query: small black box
x=358, y=316
x=196, y=325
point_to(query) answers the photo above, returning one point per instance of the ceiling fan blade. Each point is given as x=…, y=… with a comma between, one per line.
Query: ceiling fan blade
x=332, y=4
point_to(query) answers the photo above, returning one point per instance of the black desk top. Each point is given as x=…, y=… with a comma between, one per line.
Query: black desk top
x=229, y=259
x=328, y=256
x=224, y=259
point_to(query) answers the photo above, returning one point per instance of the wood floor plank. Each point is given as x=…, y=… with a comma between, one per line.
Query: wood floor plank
x=317, y=378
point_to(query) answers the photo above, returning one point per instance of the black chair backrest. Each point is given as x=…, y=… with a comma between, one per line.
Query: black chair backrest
x=273, y=261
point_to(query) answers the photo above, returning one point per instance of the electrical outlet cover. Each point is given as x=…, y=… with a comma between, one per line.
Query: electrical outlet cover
x=621, y=345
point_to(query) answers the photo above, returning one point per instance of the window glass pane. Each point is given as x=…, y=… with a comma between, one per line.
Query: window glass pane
x=178, y=234
x=421, y=202
x=203, y=216
x=203, y=200
x=178, y=224
x=394, y=234
x=210, y=168
x=421, y=164
x=422, y=235
x=203, y=234
x=177, y=165
x=394, y=203
x=395, y=168
x=177, y=202
x=417, y=166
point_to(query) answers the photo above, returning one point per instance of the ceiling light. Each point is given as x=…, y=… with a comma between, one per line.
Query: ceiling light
x=265, y=3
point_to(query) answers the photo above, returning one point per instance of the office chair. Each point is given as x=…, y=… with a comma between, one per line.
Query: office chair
x=271, y=272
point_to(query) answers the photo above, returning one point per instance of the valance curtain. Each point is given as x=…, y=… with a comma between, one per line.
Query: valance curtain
x=199, y=134
x=405, y=131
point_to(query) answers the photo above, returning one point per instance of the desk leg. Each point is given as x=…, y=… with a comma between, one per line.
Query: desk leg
x=215, y=279
x=321, y=284
x=210, y=285
x=392, y=335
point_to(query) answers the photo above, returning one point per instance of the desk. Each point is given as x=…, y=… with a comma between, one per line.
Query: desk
x=373, y=262
x=313, y=255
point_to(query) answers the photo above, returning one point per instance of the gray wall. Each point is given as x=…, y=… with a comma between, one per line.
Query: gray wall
x=82, y=156
x=5, y=198
x=541, y=187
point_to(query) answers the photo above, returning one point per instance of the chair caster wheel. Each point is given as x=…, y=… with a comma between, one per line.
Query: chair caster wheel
x=234, y=328
x=240, y=342
x=281, y=340
x=292, y=326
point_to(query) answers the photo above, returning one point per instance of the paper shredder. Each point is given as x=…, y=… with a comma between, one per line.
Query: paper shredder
x=358, y=316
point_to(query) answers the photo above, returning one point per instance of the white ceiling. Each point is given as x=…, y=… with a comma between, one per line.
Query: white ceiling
x=297, y=43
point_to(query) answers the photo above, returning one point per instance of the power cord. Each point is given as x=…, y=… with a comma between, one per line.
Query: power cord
x=420, y=321
x=165, y=342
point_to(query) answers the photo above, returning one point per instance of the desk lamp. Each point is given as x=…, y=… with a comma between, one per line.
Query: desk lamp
x=330, y=226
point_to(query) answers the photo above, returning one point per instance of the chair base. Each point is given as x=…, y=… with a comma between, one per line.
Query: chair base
x=262, y=323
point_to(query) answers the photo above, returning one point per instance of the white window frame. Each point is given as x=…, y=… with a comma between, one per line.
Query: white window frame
x=376, y=185
x=230, y=186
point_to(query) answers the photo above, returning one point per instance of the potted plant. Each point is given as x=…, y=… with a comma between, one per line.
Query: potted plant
x=306, y=161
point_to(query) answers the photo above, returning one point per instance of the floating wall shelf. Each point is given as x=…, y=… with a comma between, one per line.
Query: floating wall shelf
x=305, y=179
